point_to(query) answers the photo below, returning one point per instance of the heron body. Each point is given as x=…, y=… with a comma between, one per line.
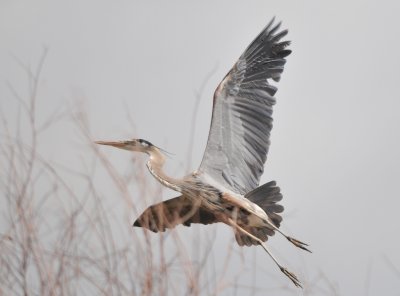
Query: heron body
x=225, y=188
x=202, y=192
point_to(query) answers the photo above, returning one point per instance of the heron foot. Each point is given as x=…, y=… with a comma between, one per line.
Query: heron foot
x=292, y=277
x=298, y=243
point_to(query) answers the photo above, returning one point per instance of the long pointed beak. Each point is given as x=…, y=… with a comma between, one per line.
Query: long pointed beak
x=111, y=143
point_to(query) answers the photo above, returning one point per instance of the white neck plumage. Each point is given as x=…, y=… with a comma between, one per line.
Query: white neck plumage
x=155, y=164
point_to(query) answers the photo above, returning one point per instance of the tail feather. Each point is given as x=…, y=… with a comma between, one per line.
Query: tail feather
x=266, y=197
x=244, y=240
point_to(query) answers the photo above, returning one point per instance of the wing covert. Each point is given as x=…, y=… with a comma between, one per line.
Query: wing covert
x=241, y=122
x=172, y=212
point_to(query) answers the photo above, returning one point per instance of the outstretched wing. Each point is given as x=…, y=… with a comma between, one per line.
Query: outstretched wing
x=175, y=211
x=241, y=122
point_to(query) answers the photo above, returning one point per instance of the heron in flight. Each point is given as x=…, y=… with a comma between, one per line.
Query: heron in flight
x=225, y=188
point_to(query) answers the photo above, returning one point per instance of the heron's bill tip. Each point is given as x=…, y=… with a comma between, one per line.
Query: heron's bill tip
x=100, y=142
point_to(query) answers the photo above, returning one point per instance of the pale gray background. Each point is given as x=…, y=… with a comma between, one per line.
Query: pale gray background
x=336, y=137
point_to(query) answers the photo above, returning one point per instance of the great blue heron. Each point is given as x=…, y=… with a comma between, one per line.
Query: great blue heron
x=225, y=187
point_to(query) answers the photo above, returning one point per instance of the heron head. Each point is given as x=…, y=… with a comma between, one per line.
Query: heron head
x=138, y=145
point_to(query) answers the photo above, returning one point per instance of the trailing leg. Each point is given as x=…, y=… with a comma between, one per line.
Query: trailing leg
x=267, y=197
x=294, y=241
x=289, y=274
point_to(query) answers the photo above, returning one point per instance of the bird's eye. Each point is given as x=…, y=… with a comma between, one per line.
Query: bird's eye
x=143, y=142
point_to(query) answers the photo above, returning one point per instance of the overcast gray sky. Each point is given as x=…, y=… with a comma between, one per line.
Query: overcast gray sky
x=336, y=137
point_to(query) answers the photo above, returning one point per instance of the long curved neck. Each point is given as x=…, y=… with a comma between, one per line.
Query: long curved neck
x=155, y=164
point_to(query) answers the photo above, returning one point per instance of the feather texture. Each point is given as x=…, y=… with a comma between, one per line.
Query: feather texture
x=241, y=123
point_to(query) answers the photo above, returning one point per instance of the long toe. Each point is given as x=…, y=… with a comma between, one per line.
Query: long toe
x=298, y=243
x=292, y=277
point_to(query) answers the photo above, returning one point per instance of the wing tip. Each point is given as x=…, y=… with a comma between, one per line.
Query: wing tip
x=136, y=223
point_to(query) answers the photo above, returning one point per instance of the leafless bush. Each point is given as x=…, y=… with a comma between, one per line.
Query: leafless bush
x=61, y=235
